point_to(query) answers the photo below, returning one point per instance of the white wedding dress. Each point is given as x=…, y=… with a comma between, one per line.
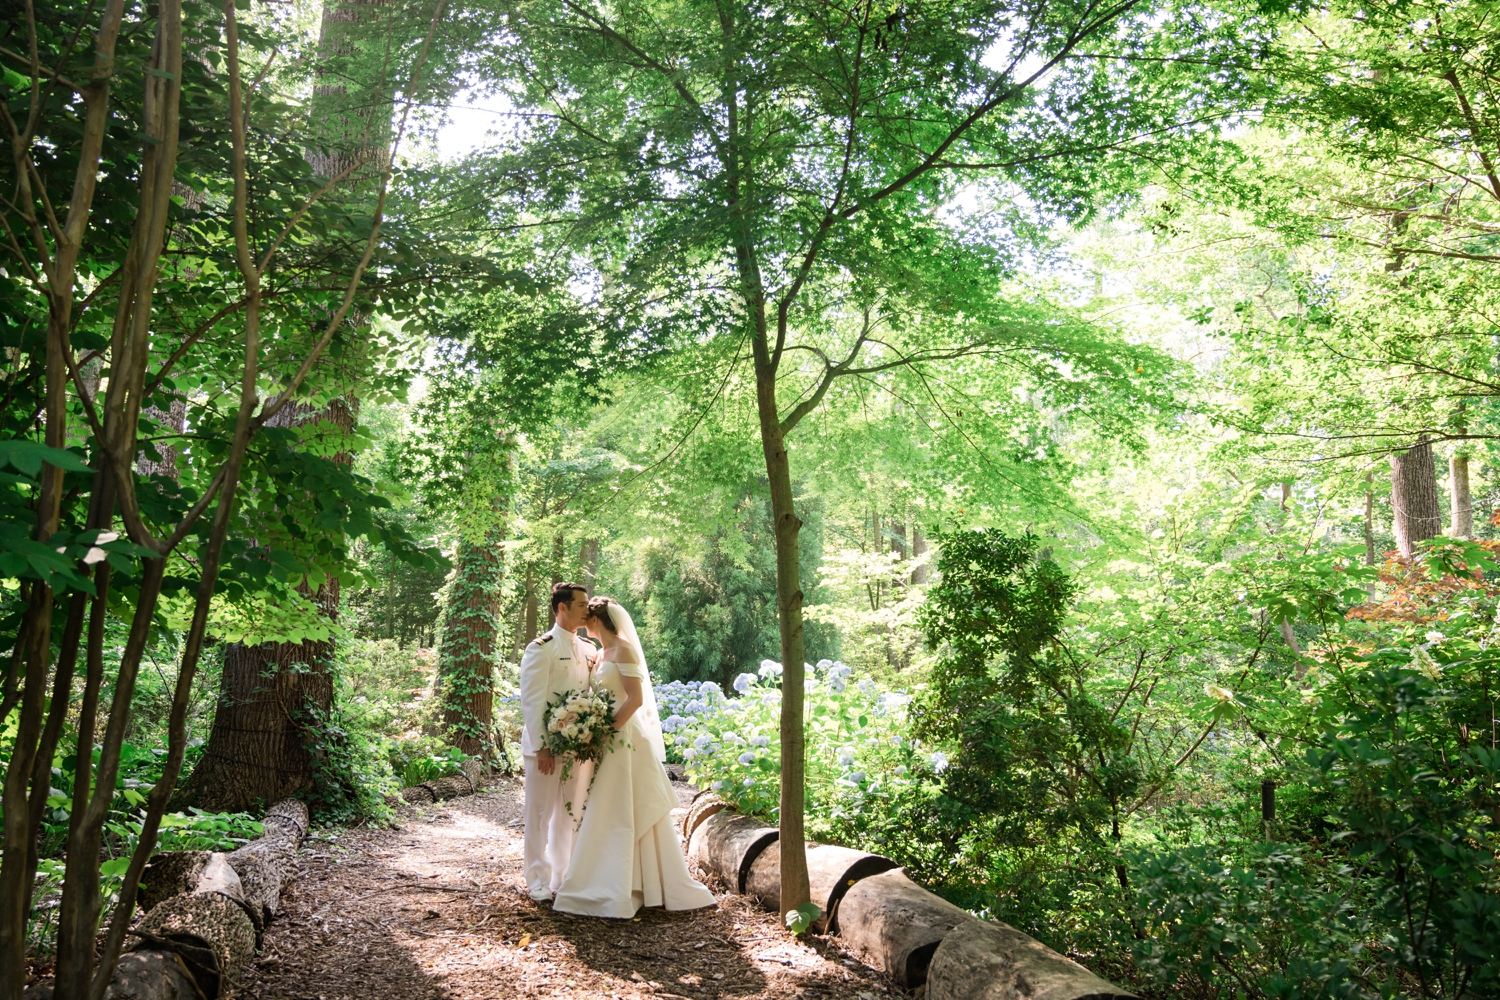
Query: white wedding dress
x=627, y=854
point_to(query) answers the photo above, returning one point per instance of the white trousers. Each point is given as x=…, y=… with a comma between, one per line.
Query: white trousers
x=550, y=825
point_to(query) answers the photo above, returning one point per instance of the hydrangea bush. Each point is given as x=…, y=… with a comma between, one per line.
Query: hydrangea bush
x=860, y=756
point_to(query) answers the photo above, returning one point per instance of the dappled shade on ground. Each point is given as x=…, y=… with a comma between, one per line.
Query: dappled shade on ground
x=438, y=909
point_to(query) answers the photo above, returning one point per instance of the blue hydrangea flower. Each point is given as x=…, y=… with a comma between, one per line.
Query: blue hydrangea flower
x=867, y=688
x=749, y=782
x=769, y=669
x=939, y=761
x=690, y=753
x=710, y=690
x=703, y=740
x=858, y=777
x=901, y=770
x=744, y=682
x=697, y=707
x=770, y=698
x=760, y=741
x=717, y=786
x=846, y=758
x=747, y=758
x=836, y=684
x=824, y=664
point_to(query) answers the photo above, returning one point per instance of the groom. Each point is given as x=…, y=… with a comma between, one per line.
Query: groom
x=554, y=662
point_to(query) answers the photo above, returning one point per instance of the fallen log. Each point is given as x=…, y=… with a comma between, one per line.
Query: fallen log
x=831, y=872
x=728, y=843
x=994, y=961
x=205, y=912
x=704, y=805
x=896, y=925
x=453, y=786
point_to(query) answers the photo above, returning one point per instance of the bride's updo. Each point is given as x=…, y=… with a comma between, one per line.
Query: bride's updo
x=599, y=611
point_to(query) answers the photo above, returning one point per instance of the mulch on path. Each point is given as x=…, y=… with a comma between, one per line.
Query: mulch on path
x=437, y=908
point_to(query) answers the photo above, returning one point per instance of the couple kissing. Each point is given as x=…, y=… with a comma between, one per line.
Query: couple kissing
x=624, y=853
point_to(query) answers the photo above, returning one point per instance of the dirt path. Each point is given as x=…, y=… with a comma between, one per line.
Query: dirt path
x=437, y=908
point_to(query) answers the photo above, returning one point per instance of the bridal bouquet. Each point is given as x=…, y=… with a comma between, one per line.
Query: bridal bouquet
x=579, y=726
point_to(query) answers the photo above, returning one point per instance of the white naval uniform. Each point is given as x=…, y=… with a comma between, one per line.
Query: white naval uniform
x=554, y=662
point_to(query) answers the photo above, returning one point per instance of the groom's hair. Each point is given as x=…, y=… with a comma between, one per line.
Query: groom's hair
x=599, y=610
x=562, y=593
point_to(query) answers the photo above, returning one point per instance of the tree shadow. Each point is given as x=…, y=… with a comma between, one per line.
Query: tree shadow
x=685, y=953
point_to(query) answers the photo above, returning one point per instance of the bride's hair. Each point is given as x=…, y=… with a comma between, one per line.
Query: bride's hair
x=598, y=609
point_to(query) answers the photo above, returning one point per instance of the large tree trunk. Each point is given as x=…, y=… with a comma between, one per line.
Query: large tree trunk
x=588, y=561
x=272, y=697
x=471, y=642
x=1462, y=503
x=175, y=419
x=1414, y=496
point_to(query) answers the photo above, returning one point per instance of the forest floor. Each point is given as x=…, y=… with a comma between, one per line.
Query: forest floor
x=436, y=908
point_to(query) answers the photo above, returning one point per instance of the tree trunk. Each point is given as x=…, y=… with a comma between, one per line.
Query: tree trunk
x=175, y=419
x=269, y=698
x=794, y=883
x=918, y=550
x=588, y=560
x=1414, y=496
x=1461, y=501
x=557, y=560
x=272, y=697
x=530, y=603
x=471, y=636
x=1369, y=519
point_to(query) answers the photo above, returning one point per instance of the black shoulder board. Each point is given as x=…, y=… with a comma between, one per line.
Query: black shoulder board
x=546, y=638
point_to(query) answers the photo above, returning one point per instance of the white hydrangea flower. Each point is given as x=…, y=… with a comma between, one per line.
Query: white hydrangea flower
x=939, y=761
x=1423, y=663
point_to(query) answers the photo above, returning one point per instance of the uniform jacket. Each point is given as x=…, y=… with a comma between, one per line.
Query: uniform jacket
x=554, y=662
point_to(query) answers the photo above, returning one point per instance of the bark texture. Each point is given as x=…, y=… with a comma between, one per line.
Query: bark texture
x=1414, y=497
x=897, y=925
x=728, y=843
x=205, y=913
x=1461, y=502
x=918, y=550
x=588, y=562
x=982, y=960
x=173, y=419
x=272, y=697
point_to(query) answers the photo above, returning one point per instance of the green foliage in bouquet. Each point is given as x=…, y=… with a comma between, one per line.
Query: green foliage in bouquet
x=580, y=726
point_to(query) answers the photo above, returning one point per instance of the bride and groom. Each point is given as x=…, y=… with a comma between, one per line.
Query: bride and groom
x=625, y=854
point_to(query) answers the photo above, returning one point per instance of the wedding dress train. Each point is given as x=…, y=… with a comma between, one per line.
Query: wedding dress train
x=627, y=854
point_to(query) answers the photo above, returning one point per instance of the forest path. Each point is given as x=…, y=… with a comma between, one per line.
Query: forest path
x=437, y=909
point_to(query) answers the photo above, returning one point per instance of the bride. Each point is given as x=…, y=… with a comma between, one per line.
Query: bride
x=627, y=854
